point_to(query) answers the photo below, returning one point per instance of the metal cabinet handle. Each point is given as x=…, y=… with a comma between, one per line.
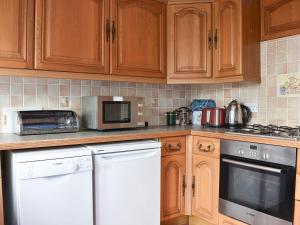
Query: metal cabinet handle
x=170, y=148
x=183, y=186
x=210, y=40
x=194, y=185
x=209, y=148
x=216, y=39
x=107, y=30
x=113, y=31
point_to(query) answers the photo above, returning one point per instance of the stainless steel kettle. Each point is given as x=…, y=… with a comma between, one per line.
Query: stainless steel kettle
x=237, y=115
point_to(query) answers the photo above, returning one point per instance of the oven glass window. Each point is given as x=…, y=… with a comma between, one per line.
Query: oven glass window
x=116, y=112
x=268, y=192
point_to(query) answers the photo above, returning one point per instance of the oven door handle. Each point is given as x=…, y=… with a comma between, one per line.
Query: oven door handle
x=265, y=168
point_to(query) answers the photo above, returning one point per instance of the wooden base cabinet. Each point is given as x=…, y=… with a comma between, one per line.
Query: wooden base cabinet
x=224, y=220
x=16, y=29
x=172, y=187
x=205, y=188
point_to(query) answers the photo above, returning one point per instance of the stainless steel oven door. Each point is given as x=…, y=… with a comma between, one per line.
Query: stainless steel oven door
x=255, y=192
x=117, y=112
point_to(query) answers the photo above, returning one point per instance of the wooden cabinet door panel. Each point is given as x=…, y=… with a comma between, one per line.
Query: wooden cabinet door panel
x=205, y=188
x=279, y=18
x=172, y=192
x=16, y=29
x=139, y=45
x=297, y=213
x=70, y=35
x=227, y=38
x=225, y=220
x=189, y=40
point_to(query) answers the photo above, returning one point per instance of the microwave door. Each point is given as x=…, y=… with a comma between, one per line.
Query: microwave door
x=117, y=114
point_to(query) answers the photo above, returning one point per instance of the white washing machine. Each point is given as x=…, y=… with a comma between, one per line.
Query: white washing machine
x=49, y=187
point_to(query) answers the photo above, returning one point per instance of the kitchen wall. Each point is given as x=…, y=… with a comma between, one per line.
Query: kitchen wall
x=279, y=56
x=66, y=94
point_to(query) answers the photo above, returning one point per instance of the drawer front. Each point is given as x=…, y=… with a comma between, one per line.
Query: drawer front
x=297, y=193
x=173, y=145
x=206, y=146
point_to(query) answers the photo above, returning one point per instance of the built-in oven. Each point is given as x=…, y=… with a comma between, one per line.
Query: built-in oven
x=257, y=183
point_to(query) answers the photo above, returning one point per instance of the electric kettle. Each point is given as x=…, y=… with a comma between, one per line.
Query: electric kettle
x=237, y=115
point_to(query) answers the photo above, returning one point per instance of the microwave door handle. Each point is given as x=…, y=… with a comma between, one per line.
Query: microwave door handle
x=265, y=168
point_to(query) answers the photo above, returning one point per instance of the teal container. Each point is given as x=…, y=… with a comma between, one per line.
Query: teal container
x=171, y=118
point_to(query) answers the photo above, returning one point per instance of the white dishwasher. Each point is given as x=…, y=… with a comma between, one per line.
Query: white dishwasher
x=49, y=187
x=127, y=183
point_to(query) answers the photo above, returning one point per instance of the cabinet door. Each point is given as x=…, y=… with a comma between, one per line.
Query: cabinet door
x=224, y=220
x=227, y=38
x=297, y=213
x=205, y=188
x=71, y=35
x=280, y=18
x=16, y=29
x=138, y=42
x=173, y=186
x=190, y=40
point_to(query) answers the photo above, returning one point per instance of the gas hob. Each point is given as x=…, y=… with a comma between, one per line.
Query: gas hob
x=272, y=131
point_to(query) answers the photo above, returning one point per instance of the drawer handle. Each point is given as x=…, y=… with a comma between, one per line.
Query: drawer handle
x=194, y=185
x=208, y=148
x=171, y=148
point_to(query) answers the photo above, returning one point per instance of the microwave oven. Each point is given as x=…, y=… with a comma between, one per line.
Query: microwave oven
x=112, y=112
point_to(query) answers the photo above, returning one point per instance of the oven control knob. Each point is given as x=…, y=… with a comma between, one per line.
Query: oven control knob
x=241, y=152
x=266, y=156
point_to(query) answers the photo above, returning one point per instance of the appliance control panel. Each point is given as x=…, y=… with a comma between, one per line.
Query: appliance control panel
x=260, y=152
x=55, y=167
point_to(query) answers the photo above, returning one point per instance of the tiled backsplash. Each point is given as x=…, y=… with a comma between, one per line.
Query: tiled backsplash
x=66, y=94
x=279, y=56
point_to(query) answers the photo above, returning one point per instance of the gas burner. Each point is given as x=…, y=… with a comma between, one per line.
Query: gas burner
x=273, y=131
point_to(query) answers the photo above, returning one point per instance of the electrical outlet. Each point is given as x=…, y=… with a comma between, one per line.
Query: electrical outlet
x=252, y=106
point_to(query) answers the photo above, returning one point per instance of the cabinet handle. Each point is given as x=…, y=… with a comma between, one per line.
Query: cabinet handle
x=113, y=31
x=183, y=186
x=107, y=30
x=170, y=148
x=216, y=39
x=210, y=40
x=194, y=185
x=209, y=148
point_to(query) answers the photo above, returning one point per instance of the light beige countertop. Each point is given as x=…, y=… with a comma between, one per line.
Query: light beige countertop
x=13, y=141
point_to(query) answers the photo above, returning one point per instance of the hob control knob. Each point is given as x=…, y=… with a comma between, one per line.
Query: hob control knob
x=241, y=152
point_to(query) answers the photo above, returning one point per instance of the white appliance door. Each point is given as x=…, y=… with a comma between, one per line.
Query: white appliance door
x=127, y=188
x=65, y=199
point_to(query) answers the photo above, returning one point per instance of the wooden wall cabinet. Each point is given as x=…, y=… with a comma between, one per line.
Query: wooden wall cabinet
x=16, y=29
x=189, y=50
x=70, y=35
x=173, y=180
x=225, y=220
x=139, y=39
x=279, y=18
x=225, y=50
